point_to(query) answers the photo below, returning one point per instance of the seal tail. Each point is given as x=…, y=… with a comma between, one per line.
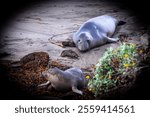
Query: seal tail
x=121, y=23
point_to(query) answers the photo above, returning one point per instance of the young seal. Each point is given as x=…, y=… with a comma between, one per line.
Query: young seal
x=95, y=32
x=71, y=79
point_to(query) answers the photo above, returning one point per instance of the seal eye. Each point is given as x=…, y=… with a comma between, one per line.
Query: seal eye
x=88, y=41
x=79, y=41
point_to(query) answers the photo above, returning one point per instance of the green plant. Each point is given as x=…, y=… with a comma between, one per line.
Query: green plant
x=112, y=66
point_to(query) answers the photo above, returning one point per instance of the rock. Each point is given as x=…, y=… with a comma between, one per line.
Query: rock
x=69, y=53
x=68, y=44
x=55, y=63
x=26, y=73
x=35, y=60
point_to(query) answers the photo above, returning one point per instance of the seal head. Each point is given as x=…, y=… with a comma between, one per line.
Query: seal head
x=83, y=42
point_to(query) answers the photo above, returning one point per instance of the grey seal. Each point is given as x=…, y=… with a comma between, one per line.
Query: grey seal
x=95, y=32
x=69, y=80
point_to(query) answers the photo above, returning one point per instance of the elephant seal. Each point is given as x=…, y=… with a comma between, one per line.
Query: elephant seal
x=70, y=79
x=95, y=32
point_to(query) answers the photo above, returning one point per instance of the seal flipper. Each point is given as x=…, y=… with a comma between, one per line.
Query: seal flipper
x=44, y=84
x=74, y=89
x=111, y=39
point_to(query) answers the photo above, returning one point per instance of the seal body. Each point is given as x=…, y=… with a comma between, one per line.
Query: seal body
x=95, y=32
x=71, y=79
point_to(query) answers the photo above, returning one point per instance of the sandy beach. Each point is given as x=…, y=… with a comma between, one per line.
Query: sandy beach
x=31, y=30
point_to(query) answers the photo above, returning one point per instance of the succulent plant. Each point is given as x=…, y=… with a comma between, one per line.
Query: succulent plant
x=114, y=65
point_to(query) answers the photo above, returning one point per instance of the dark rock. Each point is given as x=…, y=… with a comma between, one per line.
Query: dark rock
x=35, y=60
x=68, y=44
x=55, y=63
x=69, y=53
x=26, y=73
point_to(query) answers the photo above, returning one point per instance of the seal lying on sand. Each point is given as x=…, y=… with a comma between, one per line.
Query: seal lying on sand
x=71, y=79
x=95, y=32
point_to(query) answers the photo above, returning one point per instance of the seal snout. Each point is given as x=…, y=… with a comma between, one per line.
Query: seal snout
x=83, y=45
x=82, y=41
